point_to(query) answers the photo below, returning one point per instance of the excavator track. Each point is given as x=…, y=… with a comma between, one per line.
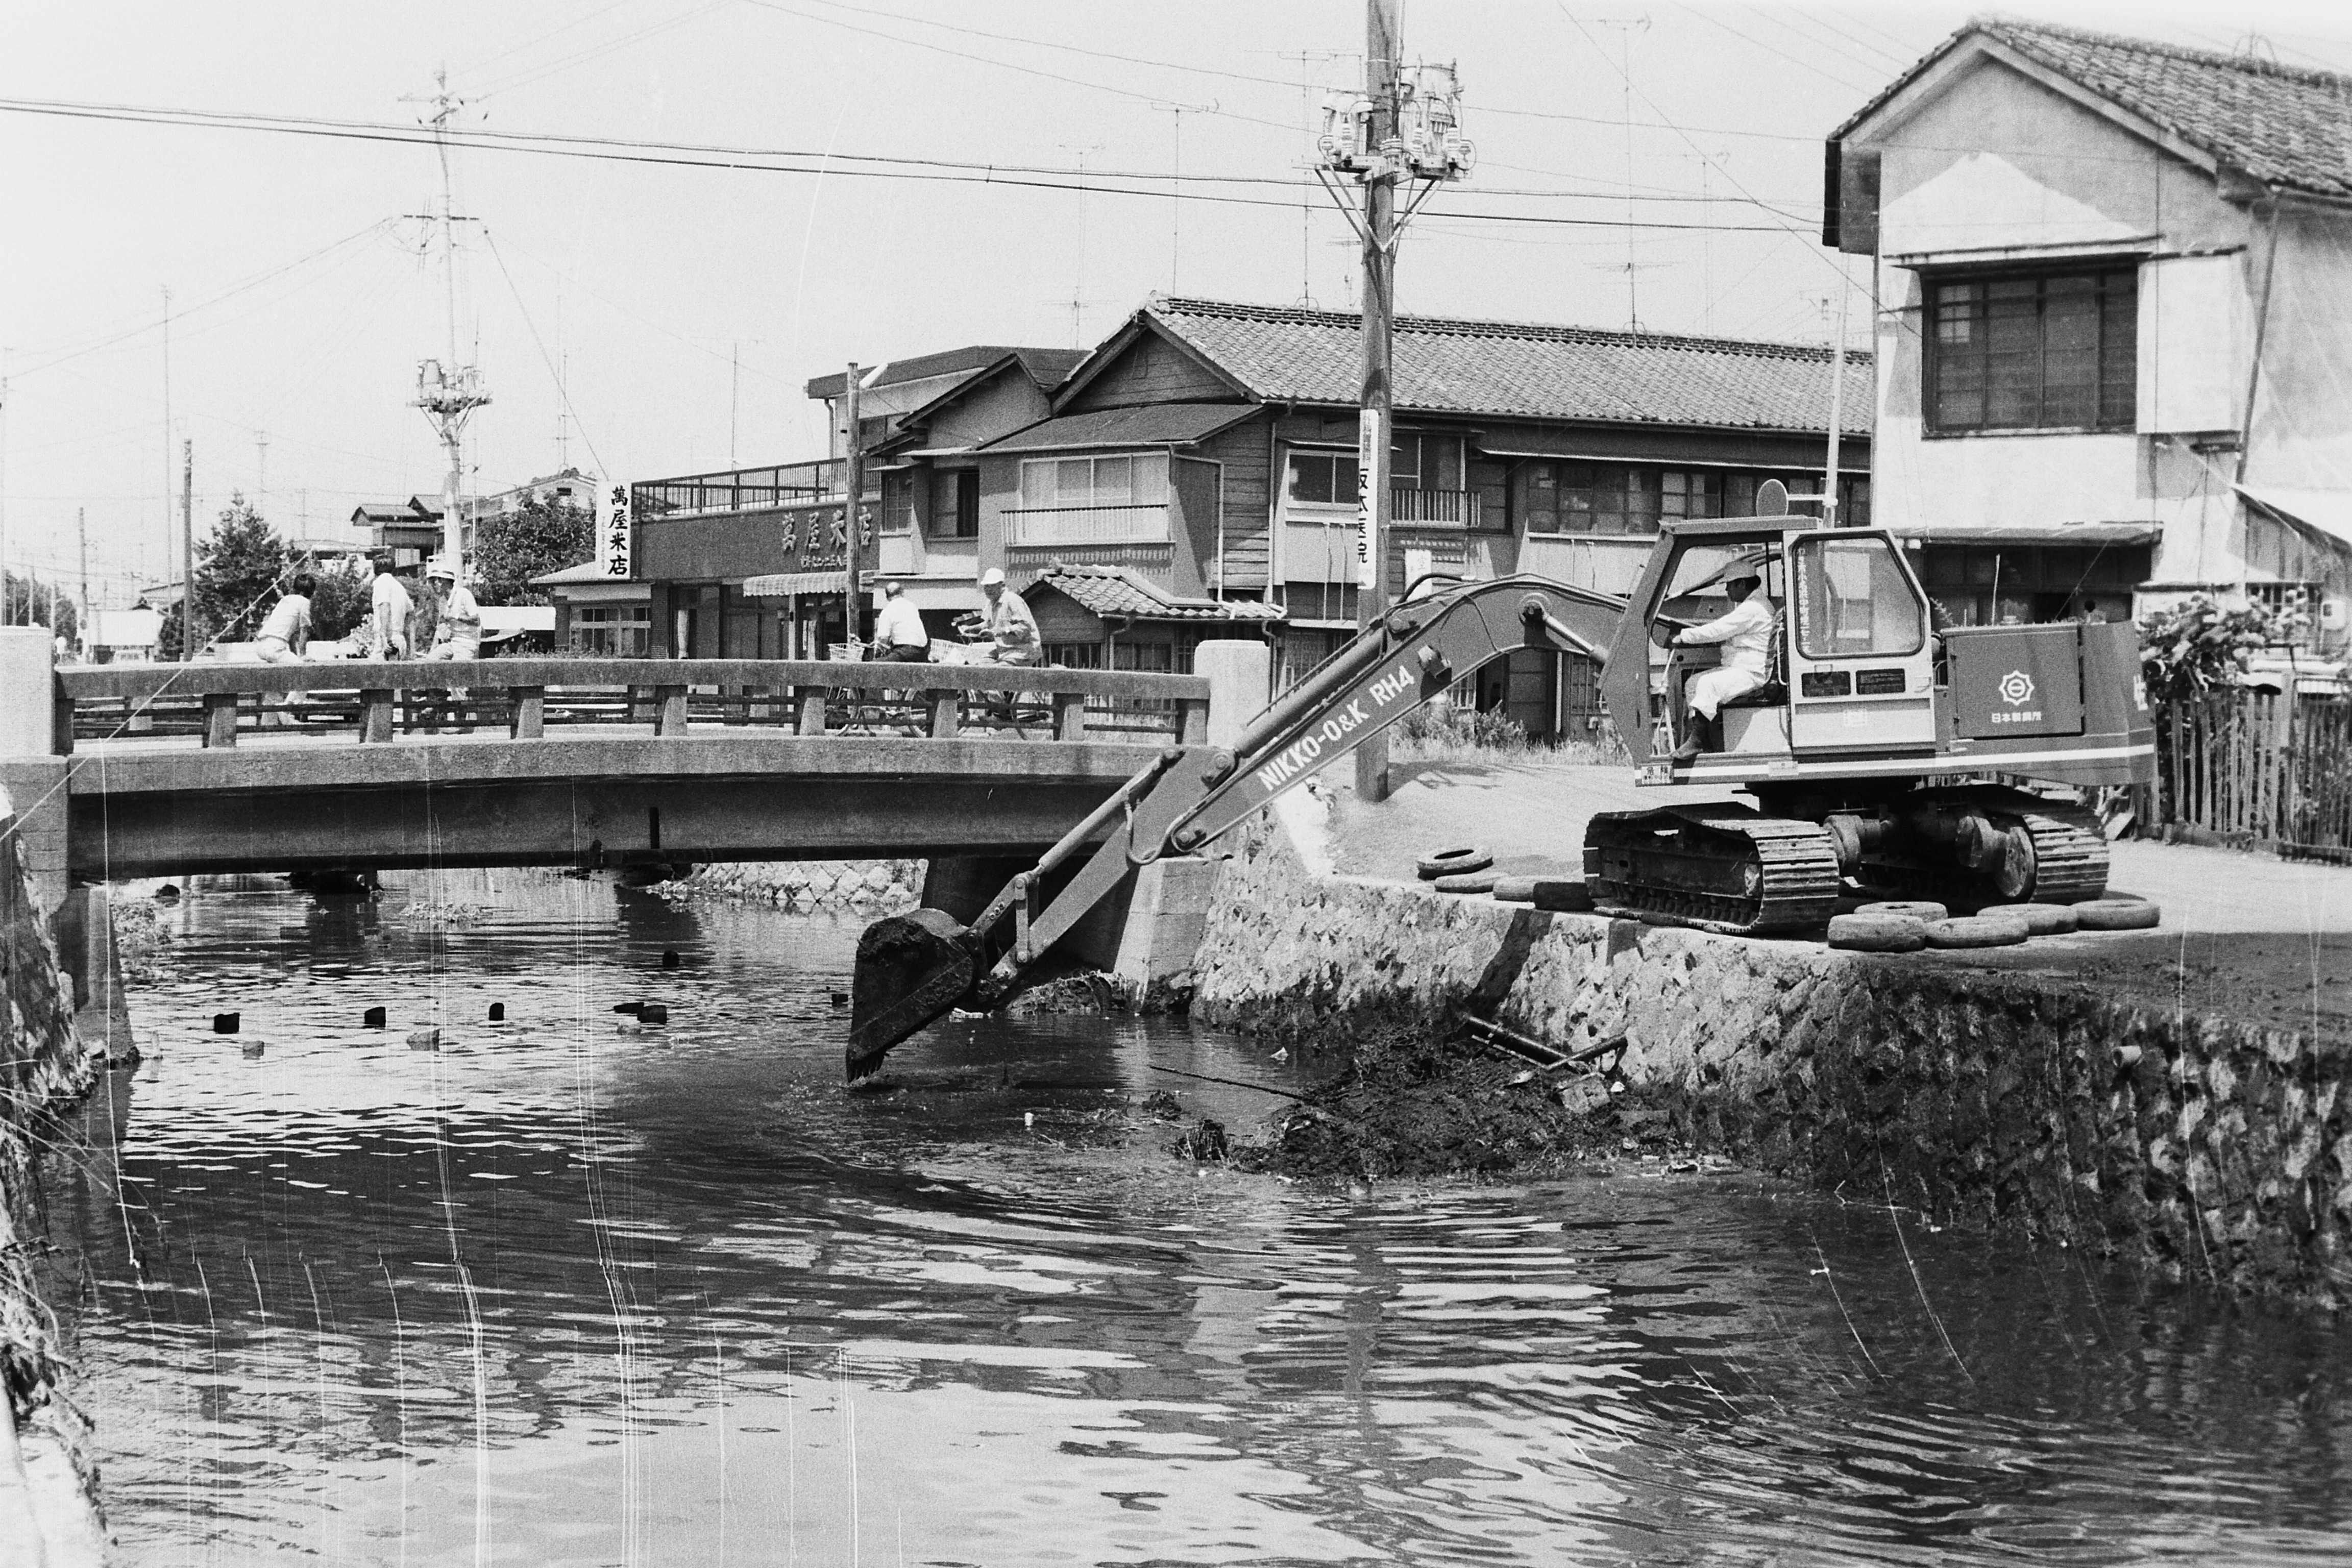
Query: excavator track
x=1713, y=867
x=2064, y=859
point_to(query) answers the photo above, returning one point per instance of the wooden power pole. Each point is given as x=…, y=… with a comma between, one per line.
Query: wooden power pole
x=853, y=484
x=81, y=538
x=1383, y=43
x=187, y=551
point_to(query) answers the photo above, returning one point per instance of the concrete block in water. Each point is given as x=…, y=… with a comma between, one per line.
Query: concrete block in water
x=425, y=1040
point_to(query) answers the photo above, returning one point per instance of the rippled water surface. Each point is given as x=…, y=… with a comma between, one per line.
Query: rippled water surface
x=566, y=1292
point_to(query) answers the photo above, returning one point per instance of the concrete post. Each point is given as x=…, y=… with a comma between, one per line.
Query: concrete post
x=1240, y=677
x=28, y=709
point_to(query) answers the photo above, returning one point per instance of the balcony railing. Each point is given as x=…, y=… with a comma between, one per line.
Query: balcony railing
x=748, y=489
x=1456, y=509
x=1084, y=525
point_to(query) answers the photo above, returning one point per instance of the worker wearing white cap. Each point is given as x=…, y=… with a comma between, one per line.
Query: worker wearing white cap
x=1012, y=630
x=1746, y=636
x=458, y=632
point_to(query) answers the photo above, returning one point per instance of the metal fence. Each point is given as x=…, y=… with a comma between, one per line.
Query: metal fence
x=2274, y=768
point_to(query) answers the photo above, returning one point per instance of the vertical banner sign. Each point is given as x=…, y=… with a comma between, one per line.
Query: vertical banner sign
x=1369, y=445
x=612, y=533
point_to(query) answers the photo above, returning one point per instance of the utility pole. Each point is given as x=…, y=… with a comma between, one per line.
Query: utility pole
x=1396, y=131
x=82, y=537
x=261, y=472
x=167, y=438
x=446, y=391
x=1383, y=40
x=734, y=397
x=1837, y=402
x=853, y=483
x=1078, y=279
x=7, y=601
x=188, y=552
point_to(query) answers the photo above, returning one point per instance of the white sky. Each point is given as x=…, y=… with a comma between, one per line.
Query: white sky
x=649, y=278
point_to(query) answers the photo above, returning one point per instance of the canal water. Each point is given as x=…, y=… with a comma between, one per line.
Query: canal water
x=567, y=1291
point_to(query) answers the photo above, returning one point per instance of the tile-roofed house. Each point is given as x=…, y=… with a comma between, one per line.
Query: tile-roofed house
x=1526, y=370
x=2114, y=272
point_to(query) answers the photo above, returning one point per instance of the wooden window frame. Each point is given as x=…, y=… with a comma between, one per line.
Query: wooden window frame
x=2115, y=319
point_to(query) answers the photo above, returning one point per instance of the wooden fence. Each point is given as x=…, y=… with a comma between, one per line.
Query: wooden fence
x=2273, y=768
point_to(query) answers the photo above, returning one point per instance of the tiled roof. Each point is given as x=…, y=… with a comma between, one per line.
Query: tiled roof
x=1153, y=424
x=1047, y=367
x=1117, y=591
x=2285, y=125
x=1522, y=369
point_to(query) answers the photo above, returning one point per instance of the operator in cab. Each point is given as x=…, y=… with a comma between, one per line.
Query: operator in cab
x=1745, y=634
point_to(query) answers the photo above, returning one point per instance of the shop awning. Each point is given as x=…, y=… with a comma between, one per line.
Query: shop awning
x=783, y=584
x=2050, y=535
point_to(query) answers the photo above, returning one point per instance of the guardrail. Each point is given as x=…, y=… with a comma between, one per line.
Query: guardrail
x=377, y=700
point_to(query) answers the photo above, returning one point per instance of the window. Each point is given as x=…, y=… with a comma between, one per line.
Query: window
x=897, y=503
x=1321, y=479
x=612, y=631
x=1552, y=496
x=955, y=503
x=1854, y=601
x=2050, y=352
x=1067, y=483
x=1074, y=655
x=1682, y=494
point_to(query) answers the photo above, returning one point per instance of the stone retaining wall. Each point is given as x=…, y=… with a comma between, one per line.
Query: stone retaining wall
x=876, y=885
x=2200, y=1147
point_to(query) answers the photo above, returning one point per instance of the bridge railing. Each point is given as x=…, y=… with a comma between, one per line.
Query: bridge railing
x=378, y=702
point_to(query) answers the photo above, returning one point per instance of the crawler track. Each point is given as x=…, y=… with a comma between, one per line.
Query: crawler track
x=2067, y=862
x=1715, y=867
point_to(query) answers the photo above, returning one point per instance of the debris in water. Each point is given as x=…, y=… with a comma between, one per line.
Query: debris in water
x=167, y=894
x=841, y=999
x=1160, y=1105
x=425, y=1040
x=498, y=1011
x=626, y=1006
x=251, y=1048
x=1206, y=1141
x=225, y=1023
x=669, y=958
x=371, y=1019
x=652, y=1012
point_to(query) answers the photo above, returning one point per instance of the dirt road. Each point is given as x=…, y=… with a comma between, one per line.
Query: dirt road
x=2242, y=935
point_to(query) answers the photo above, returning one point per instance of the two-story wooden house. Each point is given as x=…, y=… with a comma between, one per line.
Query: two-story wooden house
x=1205, y=454
x=2115, y=326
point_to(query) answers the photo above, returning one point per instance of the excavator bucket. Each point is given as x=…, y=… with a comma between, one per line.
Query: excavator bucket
x=911, y=970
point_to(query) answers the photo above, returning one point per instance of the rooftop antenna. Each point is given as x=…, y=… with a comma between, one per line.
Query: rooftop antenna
x=446, y=391
x=1176, y=187
x=1307, y=59
x=1626, y=31
x=1078, y=278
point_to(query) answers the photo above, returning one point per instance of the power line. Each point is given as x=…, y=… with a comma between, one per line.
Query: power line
x=747, y=161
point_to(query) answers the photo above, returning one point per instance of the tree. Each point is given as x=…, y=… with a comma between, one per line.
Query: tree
x=340, y=601
x=32, y=602
x=2196, y=646
x=542, y=535
x=239, y=570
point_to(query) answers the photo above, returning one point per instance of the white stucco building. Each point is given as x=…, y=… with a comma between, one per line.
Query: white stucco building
x=2114, y=285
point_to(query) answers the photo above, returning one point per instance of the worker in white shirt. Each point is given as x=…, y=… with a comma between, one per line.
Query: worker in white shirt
x=1012, y=629
x=285, y=635
x=1746, y=634
x=898, y=633
x=458, y=631
x=388, y=609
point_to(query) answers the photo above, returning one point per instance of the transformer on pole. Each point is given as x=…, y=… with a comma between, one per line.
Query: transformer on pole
x=1404, y=127
x=446, y=391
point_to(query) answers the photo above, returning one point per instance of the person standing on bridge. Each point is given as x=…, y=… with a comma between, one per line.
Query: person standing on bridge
x=1012, y=636
x=457, y=629
x=388, y=610
x=899, y=636
x=284, y=635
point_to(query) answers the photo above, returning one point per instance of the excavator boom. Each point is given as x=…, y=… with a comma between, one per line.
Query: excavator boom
x=914, y=969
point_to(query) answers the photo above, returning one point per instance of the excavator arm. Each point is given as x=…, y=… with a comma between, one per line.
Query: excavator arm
x=913, y=969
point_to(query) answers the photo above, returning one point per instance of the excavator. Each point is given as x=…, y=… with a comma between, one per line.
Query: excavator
x=1883, y=752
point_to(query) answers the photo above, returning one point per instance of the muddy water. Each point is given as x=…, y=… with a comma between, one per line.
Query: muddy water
x=563, y=1292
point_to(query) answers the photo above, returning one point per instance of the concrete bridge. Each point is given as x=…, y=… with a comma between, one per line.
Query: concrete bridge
x=138, y=770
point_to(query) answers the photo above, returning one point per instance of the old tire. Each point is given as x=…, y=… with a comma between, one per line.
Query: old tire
x=1468, y=882
x=1458, y=861
x=2118, y=914
x=2041, y=919
x=1564, y=894
x=1515, y=889
x=1908, y=908
x=1860, y=932
x=1976, y=930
